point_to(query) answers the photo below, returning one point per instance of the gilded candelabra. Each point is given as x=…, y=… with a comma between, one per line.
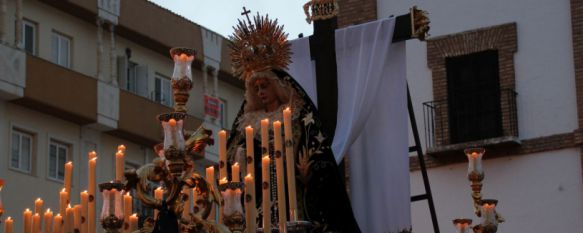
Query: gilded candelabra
x=484, y=208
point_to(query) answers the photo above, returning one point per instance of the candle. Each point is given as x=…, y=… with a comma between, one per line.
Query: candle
x=159, y=195
x=119, y=165
x=36, y=223
x=266, y=194
x=223, y=181
x=222, y=154
x=264, y=137
x=58, y=223
x=488, y=213
x=222, y=204
x=63, y=198
x=210, y=178
x=77, y=218
x=235, y=173
x=290, y=164
x=249, y=204
x=133, y=223
x=68, y=176
x=279, y=169
x=186, y=204
x=27, y=216
x=48, y=218
x=69, y=219
x=38, y=206
x=91, y=191
x=8, y=227
x=250, y=150
x=474, y=160
x=127, y=207
x=121, y=148
x=84, y=206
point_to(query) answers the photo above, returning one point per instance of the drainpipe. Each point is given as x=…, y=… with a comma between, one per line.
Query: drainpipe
x=18, y=37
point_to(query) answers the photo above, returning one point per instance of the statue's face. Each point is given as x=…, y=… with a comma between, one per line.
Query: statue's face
x=265, y=90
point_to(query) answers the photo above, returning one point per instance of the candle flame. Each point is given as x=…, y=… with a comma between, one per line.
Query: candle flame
x=68, y=205
x=36, y=215
x=38, y=199
x=172, y=122
x=135, y=215
x=63, y=190
x=27, y=210
x=236, y=164
x=94, y=159
x=92, y=154
x=70, y=163
x=85, y=192
x=211, y=168
x=249, y=127
x=49, y=210
x=121, y=147
x=128, y=194
x=249, y=176
x=58, y=215
x=119, y=153
x=159, y=188
x=266, y=157
x=287, y=109
x=9, y=218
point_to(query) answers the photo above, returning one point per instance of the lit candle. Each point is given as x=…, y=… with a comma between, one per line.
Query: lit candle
x=91, y=191
x=264, y=137
x=133, y=223
x=69, y=219
x=127, y=206
x=235, y=173
x=249, y=204
x=474, y=160
x=27, y=216
x=223, y=181
x=266, y=194
x=186, y=204
x=210, y=178
x=36, y=223
x=222, y=154
x=48, y=218
x=58, y=224
x=279, y=169
x=68, y=177
x=63, y=201
x=290, y=163
x=250, y=150
x=77, y=218
x=38, y=206
x=221, y=203
x=488, y=212
x=121, y=148
x=462, y=225
x=119, y=165
x=84, y=206
x=9, y=225
x=159, y=195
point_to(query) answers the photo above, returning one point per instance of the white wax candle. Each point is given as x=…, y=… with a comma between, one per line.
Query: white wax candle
x=36, y=223
x=280, y=173
x=250, y=150
x=222, y=154
x=58, y=224
x=9, y=225
x=127, y=206
x=38, y=206
x=68, y=178
x=119, y=165
x=48, y=218
x=133, y=223
x=91, y=191
x=27, y=216
x=69, y=219
x=290, y=163
x=235, y=173
x=265, y=162
x=63, y=201
x=77, y=218
x=84, y=209
x=210, y=179
x=159, y=195
x=249, y=204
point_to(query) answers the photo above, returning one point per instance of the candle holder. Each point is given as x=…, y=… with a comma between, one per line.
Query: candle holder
x=173, y=146
x=462, y=225
x=112, y=211
x=233, y=216
x=182, y=76
x=475, y=175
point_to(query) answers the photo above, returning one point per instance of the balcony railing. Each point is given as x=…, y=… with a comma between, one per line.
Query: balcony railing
x=470, y=122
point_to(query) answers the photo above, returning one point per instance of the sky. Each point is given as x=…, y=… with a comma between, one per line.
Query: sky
x=221, y=15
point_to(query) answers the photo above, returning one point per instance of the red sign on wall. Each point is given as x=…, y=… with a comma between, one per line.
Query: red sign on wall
x=212, y=106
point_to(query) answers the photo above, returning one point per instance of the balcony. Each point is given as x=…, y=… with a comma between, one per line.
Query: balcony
x=452, y=125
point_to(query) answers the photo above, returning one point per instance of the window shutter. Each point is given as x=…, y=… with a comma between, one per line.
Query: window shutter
x=122, y=72
x=142, y=80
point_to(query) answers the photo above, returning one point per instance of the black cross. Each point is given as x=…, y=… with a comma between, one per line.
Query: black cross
x=246, y=13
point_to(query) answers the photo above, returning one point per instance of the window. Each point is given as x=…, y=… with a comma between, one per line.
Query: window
x=21, y=151
x=162, y=90
x=29, y=33
x=223, y=113
x=474, y=96
x=61, y=49
x=58, y=156
x=130, y=83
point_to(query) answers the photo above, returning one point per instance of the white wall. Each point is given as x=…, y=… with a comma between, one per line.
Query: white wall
x=537, y=193
x=543, y=64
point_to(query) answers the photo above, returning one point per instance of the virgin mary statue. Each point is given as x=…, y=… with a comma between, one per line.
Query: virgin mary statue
x=260, y=54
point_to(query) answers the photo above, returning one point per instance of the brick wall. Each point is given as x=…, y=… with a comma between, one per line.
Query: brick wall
x=356, y=12
x=577, y=33
x=501, y=38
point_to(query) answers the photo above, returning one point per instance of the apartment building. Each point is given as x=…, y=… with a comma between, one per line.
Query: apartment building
x=85, y=75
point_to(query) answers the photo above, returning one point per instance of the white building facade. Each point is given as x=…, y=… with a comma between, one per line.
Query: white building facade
x=503, y=75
